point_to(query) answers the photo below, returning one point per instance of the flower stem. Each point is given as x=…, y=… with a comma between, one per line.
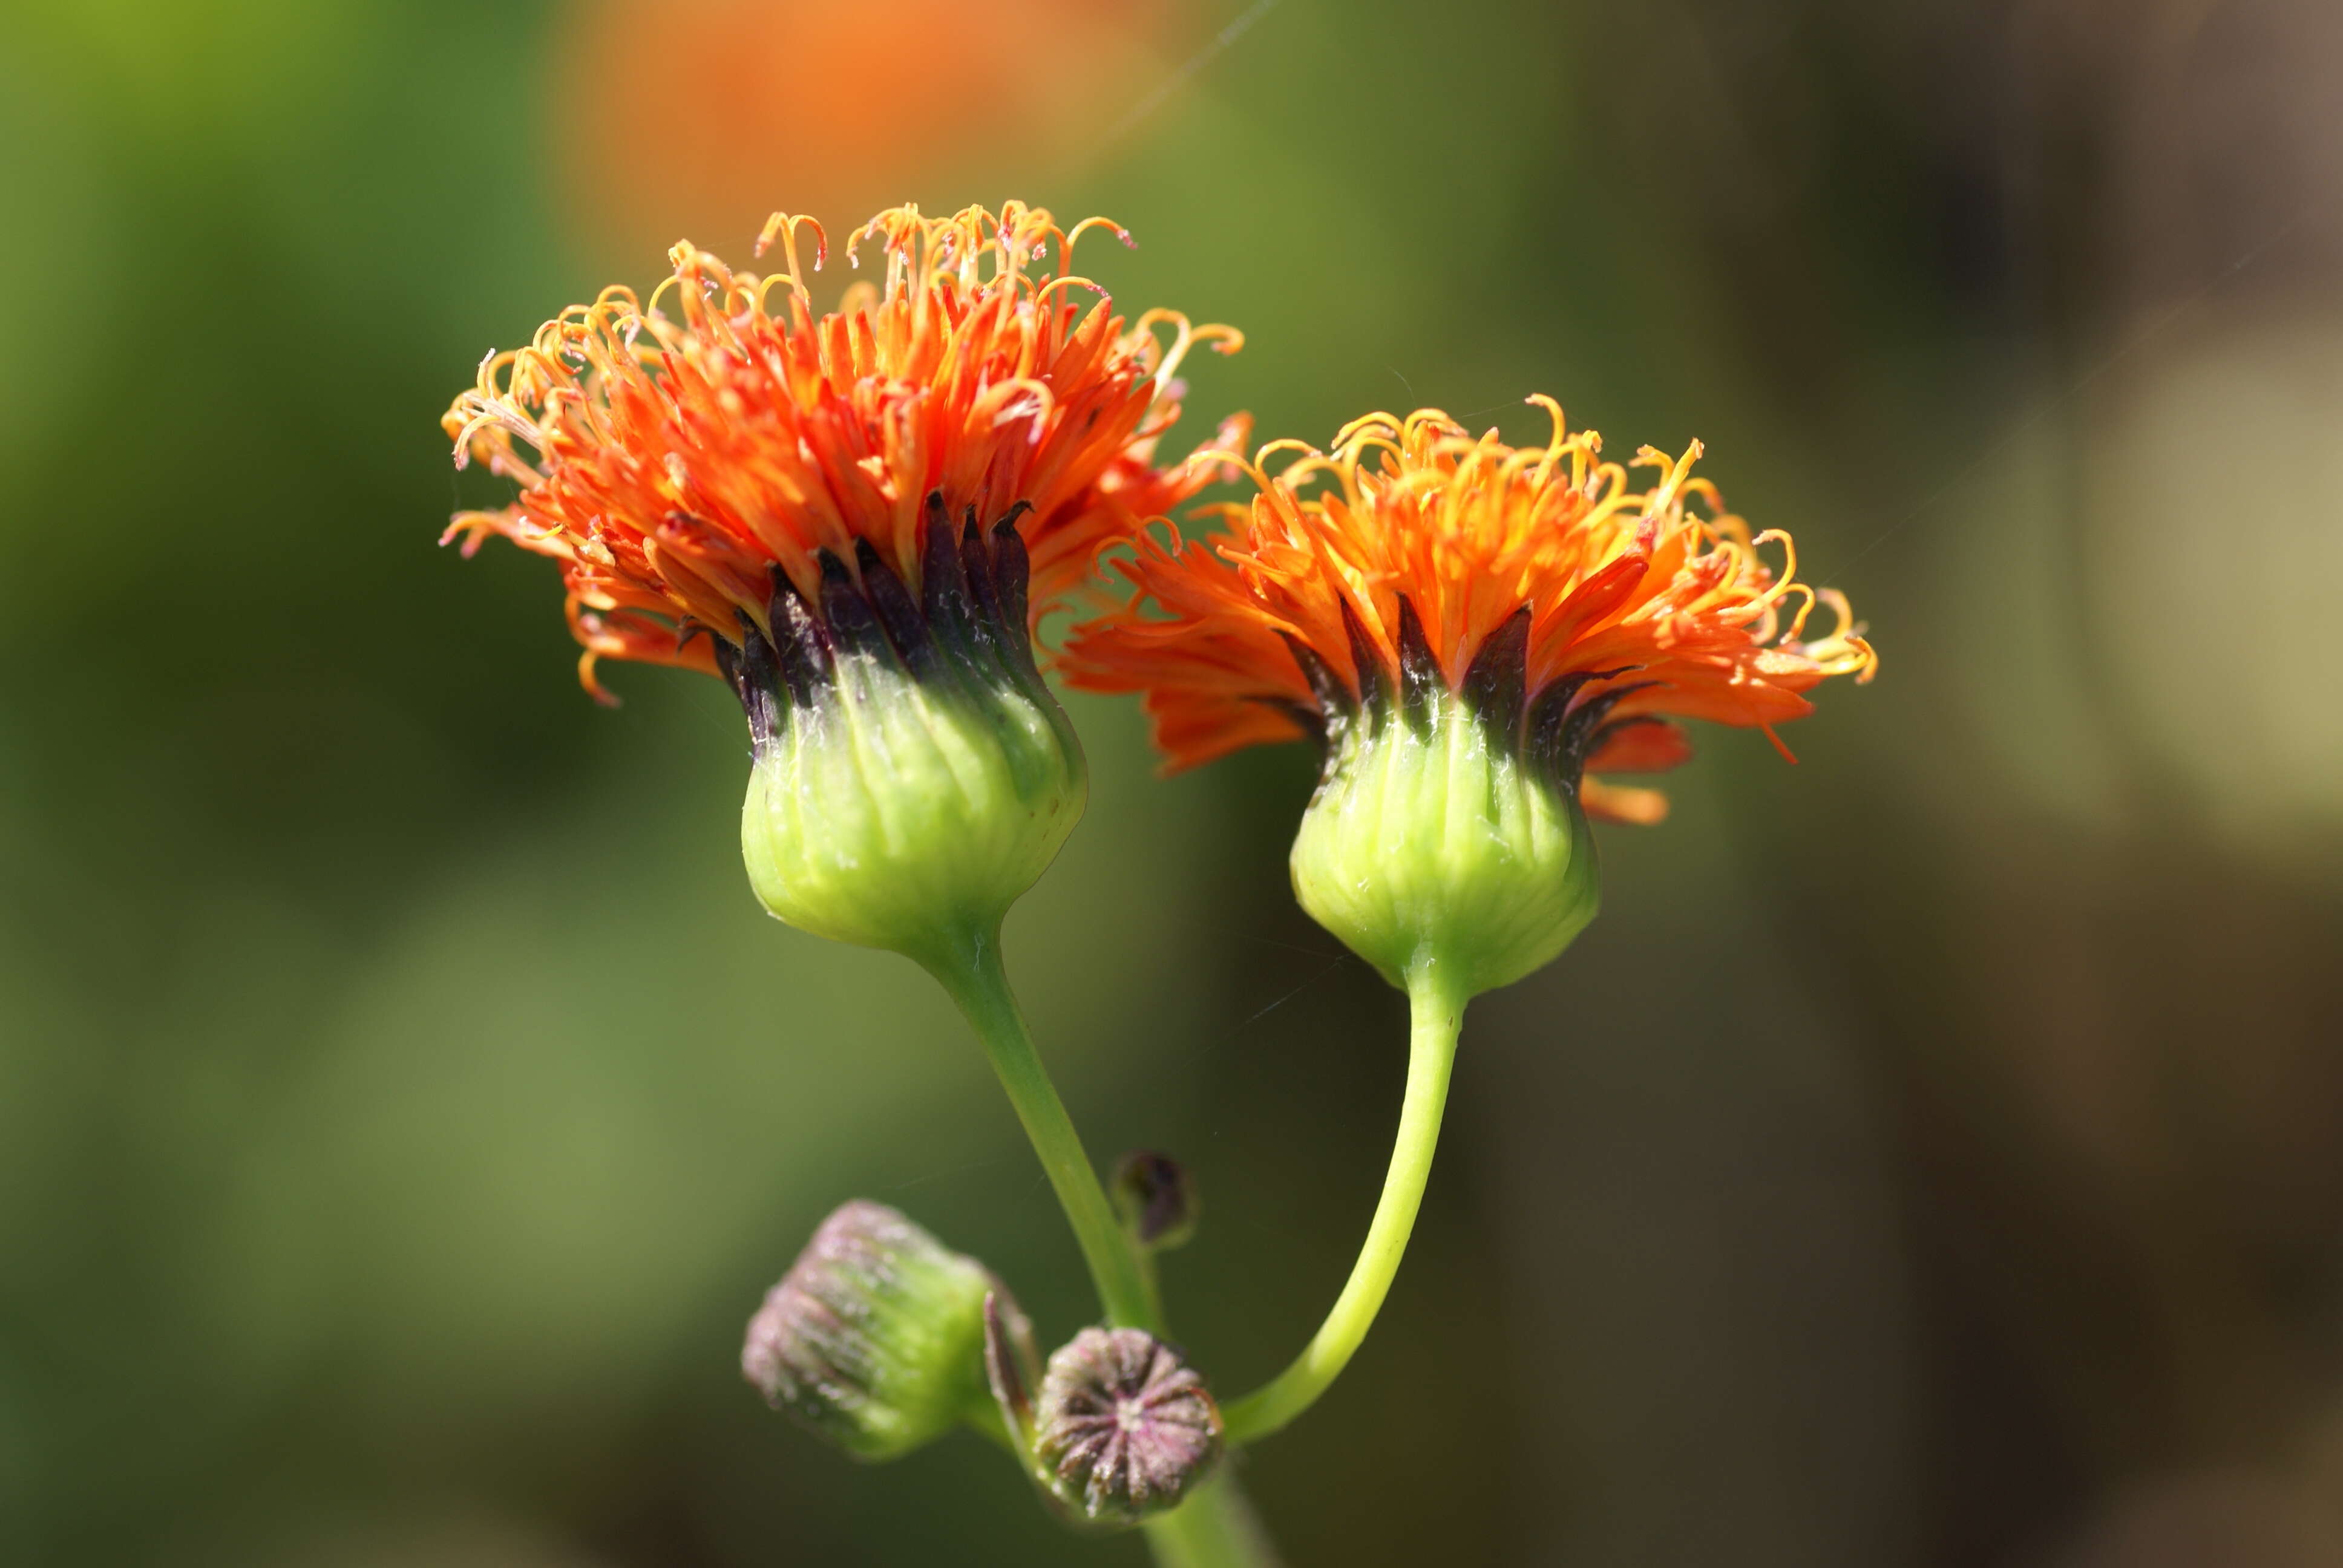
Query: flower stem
x=1437, y=1014
x=1215, y=1528
x=972, y=973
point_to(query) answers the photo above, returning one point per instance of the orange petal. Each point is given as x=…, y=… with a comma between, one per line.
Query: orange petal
x=1620, y=803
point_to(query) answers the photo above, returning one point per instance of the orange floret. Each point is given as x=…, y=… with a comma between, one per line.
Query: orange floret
x=680, y=466
x=1413, y=534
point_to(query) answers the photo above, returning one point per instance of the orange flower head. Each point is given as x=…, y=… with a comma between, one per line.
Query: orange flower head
x=686, y=467
x=1470, y=629
x=856, y=520
x=1414, y=558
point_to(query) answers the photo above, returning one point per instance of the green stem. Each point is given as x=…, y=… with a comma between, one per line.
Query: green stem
x=1437, y=1015
x=1215, y=1528
x=972, y=973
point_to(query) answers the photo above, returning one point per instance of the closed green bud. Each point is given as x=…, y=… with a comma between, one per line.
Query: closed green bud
x=875, y=1337
x=1446, y=832
x=913, y=775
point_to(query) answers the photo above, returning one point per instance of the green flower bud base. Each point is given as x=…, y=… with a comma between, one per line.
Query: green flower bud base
x=1434, y=840
x=889, y=808
x=913, y=775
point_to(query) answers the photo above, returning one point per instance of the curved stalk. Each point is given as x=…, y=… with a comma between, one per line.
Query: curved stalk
x=972, y=974
x=1436, y=1016
x=1215, y=1528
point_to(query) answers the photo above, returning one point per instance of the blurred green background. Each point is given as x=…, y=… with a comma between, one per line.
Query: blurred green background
x=1933, y=1157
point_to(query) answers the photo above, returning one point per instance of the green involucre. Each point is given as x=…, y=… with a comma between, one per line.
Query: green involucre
x=893, y=812
x=1433, y=844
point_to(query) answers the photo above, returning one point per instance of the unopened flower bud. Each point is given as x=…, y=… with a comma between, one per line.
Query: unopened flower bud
x=1124, y=1427
x=1157, y=1199
x=875, y=1337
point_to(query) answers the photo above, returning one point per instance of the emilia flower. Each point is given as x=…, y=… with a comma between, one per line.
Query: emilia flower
x=855, y=519
x=1476, y=634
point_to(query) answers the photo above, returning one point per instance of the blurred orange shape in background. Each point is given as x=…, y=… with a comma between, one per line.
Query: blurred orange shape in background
x=699, y=116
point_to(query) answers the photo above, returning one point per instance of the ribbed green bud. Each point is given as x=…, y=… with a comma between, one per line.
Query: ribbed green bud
x=913, y=775
x=1433, y=846
x=875, y=1337
x=1445, y=832
x=890, y=808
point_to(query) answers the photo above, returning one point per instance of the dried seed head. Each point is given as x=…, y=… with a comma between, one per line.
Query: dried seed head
x=1124, y=1426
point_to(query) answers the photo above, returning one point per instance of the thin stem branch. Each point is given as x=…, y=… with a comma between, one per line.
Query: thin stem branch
x=1437, y=1014
x=1215, y=1528
x=972, y=974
